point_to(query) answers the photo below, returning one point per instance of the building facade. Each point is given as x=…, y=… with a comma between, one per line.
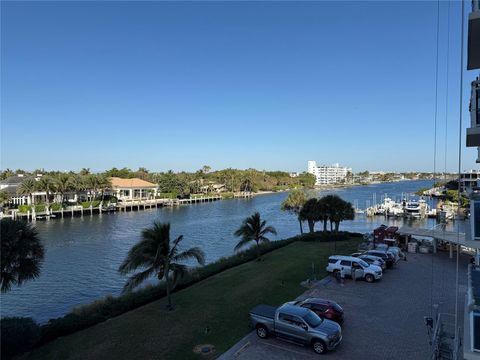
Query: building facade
x=133, y=189
x=471, y=330
x=328, y=174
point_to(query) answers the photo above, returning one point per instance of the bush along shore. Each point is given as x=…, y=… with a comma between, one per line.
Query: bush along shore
x=34, y=335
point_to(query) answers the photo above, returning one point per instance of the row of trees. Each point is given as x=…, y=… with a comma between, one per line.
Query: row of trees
x=328, y=209
x=183, y=183
x=64, y=183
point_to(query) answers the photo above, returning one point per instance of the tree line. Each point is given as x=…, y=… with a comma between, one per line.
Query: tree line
x=175, y=183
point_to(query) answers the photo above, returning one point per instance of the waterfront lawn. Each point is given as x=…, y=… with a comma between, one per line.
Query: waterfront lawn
x=213, y=311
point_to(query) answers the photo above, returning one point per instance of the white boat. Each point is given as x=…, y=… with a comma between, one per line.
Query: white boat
x=416, y=208
x=389, y=208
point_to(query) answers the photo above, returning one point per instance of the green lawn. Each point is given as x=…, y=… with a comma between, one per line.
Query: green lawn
x=220, y=303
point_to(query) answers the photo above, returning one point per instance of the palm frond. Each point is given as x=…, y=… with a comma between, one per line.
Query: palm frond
x=242, y=243
x=137, y=279
x=194, y=252
x=173, y=249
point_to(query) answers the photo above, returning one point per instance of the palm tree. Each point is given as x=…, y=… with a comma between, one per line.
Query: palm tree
x=47, y=184
x=340, y=210
x=84, y=171
x=294, y=202
x=92, y=184
x=27, y=187
x=253, y=229
x=77, y=184
x=158, y=256
x=311, y=211
x=62, y=181
x=21, y=253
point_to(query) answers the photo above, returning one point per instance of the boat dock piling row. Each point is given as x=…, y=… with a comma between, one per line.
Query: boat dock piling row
x=134, y=205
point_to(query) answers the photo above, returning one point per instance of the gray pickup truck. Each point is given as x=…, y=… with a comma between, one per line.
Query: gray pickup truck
x=296, y=324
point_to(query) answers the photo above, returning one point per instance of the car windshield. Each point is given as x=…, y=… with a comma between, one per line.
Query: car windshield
x=312, y=319
x=363, y=263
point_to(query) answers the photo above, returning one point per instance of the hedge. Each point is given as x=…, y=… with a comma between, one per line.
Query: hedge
x=95, y=203
x=24, y=208
x=18, y=335
x=56, y=206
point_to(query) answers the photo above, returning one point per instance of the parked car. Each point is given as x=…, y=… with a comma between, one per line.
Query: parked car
x=297, y=324
x=373, y=260
x=326, y=309
x=350, y=263
x=385, y=255
x=357, y=254
x=395, y=249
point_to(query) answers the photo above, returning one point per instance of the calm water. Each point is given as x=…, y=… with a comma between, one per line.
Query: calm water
x=83, y=254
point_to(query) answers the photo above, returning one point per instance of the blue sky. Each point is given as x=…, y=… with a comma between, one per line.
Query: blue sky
x=268, y=85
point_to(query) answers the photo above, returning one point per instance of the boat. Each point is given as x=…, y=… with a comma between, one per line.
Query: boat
x=416, y=208
x=110, y=208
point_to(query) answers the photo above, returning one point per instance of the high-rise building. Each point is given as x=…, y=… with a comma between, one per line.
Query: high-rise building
x=327, y=174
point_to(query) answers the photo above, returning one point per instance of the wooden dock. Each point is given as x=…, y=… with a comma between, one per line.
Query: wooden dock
x=134, y=205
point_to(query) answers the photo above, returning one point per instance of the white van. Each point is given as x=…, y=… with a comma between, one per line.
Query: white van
x=349, y=263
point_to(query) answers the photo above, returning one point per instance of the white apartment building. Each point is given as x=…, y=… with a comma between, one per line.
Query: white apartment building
x=327, y=174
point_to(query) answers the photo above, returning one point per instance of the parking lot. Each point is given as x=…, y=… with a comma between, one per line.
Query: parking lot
x=383, y=320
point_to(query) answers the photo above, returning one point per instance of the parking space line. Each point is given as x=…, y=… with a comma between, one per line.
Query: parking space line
x=242, y=349
x=285, y=349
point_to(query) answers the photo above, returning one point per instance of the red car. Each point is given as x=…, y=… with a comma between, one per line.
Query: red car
x=326, y=309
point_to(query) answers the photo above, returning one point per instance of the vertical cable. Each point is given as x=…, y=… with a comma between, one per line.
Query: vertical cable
x=459, y=159
x=435, y=137
x=446, y=123
x=446, y=91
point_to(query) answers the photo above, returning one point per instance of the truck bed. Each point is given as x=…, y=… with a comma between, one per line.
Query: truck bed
x=266, y=311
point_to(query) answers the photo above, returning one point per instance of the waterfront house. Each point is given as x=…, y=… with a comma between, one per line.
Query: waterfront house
x=10, y=186
x=133, y=189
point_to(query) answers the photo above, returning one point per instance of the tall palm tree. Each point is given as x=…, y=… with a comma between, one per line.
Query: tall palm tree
x=158, y=256
x=27, y=187
x=46, y=183
x=341, y=210
x=253, y=229
x=62, y=181
x=92, y=184
x=21, y=253
x=311, y=212
x=294, y=202
x=77, y=184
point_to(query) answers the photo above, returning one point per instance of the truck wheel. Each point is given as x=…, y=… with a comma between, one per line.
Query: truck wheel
x=319, y=346
x=369, y=278
x=262, y=331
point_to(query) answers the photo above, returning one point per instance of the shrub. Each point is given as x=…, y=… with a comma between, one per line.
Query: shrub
x=18, y=335
x=39, y=208
x=86, y=204
x=227, y=195
x=24, y=208
x=165, y=195
x=55, y=206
